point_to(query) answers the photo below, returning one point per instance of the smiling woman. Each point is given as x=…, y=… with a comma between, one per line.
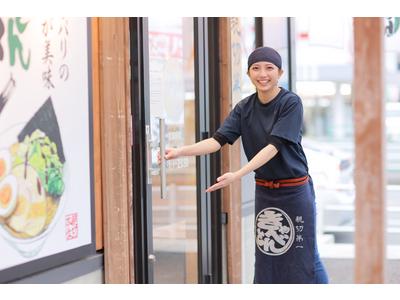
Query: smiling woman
x=269, y=123
x=265, y=78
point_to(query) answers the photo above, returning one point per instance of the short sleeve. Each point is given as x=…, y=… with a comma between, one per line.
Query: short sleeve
x=231, y=127
x=289, y=123
x=276, y=141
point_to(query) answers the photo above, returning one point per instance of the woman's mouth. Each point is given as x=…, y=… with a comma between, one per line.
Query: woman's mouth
x=263, y=82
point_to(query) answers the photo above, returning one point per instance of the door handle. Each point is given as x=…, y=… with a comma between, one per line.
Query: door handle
x=148, y=154
x=163, y=174
x=163, y=166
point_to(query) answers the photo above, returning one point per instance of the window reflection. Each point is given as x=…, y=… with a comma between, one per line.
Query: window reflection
x=324, y=70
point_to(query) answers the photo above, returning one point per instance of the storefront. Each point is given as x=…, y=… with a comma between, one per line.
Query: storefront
x=85, y=106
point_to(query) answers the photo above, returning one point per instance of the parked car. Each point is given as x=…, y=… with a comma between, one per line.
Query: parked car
x=329, y=167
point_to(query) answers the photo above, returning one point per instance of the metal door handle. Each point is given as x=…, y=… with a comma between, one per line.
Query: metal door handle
x=163, y=175
x=148, y=154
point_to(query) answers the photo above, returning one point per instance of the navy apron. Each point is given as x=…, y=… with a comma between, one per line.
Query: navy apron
x=286, y=250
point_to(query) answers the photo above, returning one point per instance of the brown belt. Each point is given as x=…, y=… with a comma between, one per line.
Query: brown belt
x=276, y=184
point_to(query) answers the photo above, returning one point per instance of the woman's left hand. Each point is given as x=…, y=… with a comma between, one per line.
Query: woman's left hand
x=223, y=181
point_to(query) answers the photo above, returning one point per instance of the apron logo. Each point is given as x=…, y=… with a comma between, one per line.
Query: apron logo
x=275, y=231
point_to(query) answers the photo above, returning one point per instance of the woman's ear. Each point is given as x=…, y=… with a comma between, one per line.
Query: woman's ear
x=280, y=72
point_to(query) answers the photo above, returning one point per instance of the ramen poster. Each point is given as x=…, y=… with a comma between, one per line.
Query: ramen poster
x=45, y=159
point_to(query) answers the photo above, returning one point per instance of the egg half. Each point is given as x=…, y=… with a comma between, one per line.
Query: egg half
x=29, y=217
x=8, y=195
x=5, y=163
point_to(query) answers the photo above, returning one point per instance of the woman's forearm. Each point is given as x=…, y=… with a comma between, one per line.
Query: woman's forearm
x=207, y=146
x=261, y=158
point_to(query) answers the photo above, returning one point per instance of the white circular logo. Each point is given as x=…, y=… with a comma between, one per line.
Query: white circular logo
x=274, y=231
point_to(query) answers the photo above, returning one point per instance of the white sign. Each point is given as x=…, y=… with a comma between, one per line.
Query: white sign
x=45, y=159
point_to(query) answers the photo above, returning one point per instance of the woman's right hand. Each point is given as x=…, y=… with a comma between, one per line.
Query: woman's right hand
x=170, y=153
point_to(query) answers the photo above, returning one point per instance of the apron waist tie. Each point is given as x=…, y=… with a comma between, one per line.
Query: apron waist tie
x=276, y=184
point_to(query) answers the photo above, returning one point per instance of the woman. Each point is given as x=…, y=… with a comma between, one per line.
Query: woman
x=269, y=122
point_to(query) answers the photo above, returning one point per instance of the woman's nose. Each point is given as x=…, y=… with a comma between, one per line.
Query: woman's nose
x=263, y=73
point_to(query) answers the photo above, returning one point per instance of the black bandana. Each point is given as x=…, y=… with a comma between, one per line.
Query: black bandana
x=265, y=54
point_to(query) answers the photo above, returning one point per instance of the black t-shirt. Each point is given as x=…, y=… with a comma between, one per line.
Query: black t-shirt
x=260, y=124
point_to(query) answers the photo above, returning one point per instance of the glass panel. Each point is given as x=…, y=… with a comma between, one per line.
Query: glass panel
x=171, y=62
x=324, y=72
x=392, y=122
x=275, y=35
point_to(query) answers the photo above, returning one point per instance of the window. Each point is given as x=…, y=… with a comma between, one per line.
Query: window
x=324, y=71
x=392, y=122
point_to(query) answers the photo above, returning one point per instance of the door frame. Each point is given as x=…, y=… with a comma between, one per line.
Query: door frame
x=142, y=208
x=207, y=167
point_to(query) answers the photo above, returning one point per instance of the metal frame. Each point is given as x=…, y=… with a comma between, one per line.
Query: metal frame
x=55, y=260
x=202, y=162
x=259, y=31
x=68, y=272
x=291, y=38
x=215, y=159
x=207, y=121
x=140, y=113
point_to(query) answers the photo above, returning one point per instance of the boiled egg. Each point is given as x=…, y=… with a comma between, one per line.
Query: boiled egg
x=5, y=163
x=8, y=195
x=30, y=215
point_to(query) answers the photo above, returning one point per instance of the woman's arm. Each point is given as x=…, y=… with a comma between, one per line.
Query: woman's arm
x=207, y=146
x=261, y=158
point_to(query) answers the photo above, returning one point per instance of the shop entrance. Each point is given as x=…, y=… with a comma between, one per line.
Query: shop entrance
x=173, y=233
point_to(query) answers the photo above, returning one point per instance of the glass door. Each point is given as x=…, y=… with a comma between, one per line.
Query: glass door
x=172, y=124
x=176, y=226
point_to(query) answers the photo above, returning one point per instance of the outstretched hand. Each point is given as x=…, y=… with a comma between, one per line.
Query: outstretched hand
x=170, y=153
x=223, y=181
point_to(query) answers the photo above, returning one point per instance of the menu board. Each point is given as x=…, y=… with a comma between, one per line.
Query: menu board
x=46, y=198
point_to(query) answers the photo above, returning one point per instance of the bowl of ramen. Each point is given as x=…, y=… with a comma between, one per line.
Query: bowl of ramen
x=31, y=189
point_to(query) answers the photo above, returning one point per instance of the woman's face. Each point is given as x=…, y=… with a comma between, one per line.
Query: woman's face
x=264, y=75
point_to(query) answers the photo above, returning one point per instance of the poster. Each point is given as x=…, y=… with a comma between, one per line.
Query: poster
x=46, y=199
